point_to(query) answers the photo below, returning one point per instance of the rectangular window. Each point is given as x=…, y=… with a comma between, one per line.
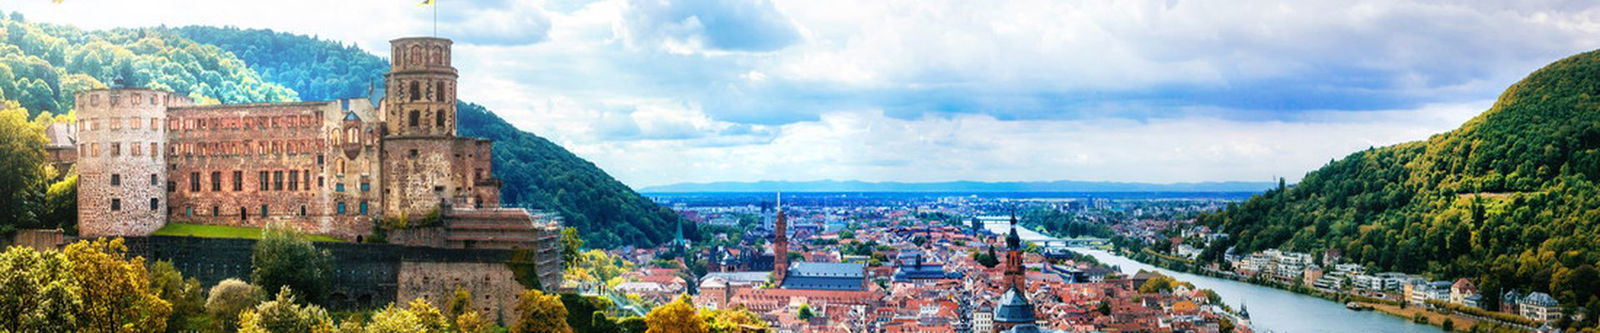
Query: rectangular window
x=153, y=181
x=307, y=175
x=238, y=181
x=363, y=208
x=116, y=180
x=338, y=187
x=294, y=180
x=155, y=204
x=277, y=180
x=365, y=186
x=216, y=211
x=216, y=181
x=194, y=182
x=172, y=186
x=263, y=210
x=341, y=208
x=116, y=149
x=116, y=204
x=188, y=211
x=320, y=181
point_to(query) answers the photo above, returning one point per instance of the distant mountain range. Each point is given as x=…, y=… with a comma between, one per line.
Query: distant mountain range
x=958, y=186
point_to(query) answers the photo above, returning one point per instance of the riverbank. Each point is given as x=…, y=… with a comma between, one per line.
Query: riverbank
x=1458, y=322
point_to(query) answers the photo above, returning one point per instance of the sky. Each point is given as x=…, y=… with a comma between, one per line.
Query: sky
x=662, y=92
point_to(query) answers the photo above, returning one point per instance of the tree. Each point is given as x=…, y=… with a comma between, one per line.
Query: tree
x=22, y=168
x=805, y=312
x=460, y=303
x=539, y=312
x=115, y=291
x=188, y=305
x=677, y=316
x=733, y=320
x=581, y=310
x=227, y=299
x=571, y=244
x=38, y=291
x=417, y=316
x=283, y=315
x=284, y=257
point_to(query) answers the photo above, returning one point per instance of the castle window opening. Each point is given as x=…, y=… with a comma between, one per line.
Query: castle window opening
x=133, y=123
x=319, y=159
x=153, y=181
x=294, y=180
x=416, y=92
x=438, y=118
x=133, y=148
x=263, y=178
x=307, y=175
x=263, y=210
x=242, y=214
x=440, y=92
x=216, y=181
x=340, y=209
x=172, y=187
x=116, y=204
x=216, y=211
x=188, y=211
x=116, y=180
x=414, y=118
x=277, y=180
x=155, y=204
x=116, y=149
x=302, y=210
x=238, y=180
x=320, y=181
x=413, y=153
x=363, y=208
x=155, y=124
x=154, y=150
x=194, y=182
x=338, y=187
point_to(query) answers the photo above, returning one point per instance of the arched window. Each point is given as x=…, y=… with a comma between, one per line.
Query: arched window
x=416, y=91
x=414, y=117
x=438, y=118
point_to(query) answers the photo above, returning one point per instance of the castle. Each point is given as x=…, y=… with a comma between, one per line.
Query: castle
x=146, y=158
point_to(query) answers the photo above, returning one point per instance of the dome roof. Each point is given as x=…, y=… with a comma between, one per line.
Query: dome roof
x=1014, y=308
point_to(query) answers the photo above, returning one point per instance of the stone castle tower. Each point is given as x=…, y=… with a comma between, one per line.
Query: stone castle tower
x=122, y=140
x=424, y=162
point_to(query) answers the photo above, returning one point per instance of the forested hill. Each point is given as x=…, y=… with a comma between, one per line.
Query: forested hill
x=1508, y=200
x=42, y=66
x=320, y=70
x=536, y=172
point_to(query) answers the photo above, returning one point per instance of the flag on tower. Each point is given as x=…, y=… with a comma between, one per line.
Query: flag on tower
x=425, y=3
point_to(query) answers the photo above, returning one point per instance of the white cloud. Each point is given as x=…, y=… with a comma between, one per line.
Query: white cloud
x=660, y=92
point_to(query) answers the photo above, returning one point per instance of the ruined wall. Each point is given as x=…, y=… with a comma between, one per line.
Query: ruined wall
x=366, y=276
x=494, y=288
x=121, y=167
x=255, y=164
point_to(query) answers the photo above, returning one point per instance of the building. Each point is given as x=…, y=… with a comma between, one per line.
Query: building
x=983, y=320
x=1013, y=312
x=911, y=266
x=1540, y=306
x=1464, y=292
x=148, y=157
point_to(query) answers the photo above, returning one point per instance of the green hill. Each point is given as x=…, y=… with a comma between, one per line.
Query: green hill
x=1508, y=200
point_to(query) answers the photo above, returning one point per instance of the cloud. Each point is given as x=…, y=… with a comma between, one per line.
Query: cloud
x=708, y=25
x=496, y=22
x=661, y=92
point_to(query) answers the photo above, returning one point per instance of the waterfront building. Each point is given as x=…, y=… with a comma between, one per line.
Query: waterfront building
x=1540, y=306
x=1464, y=292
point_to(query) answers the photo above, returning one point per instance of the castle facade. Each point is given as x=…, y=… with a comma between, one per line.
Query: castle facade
x=148, y=157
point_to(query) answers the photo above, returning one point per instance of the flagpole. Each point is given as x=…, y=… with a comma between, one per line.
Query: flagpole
x=436, y=19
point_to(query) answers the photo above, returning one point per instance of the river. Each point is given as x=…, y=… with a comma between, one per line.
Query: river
x=1271, y=309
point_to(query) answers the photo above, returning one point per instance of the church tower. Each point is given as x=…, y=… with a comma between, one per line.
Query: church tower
x=425, y=165
x=1015, y=273
x=780, y=245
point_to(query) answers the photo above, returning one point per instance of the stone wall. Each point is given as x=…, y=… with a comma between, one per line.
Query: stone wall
x=366, y=276
x=121, y=169
x=493, y=286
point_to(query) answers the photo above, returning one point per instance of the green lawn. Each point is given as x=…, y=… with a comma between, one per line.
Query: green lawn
x=218, y=231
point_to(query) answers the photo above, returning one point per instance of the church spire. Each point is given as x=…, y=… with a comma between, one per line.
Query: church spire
x=780, y=245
